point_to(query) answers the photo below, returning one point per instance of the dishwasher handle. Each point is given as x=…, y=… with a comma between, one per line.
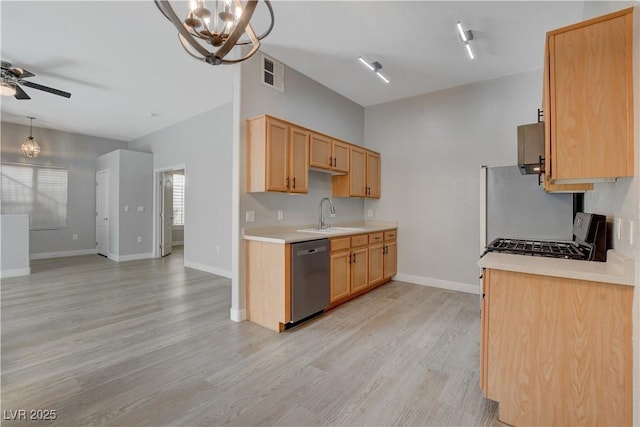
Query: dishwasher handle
x=311, y=251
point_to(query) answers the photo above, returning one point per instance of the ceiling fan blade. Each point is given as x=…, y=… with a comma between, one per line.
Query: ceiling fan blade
x=45, y=88
x=21, y=94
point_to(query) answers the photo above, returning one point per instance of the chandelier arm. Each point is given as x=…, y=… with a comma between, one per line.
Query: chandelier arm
x=266, y=33
x=167, y=10
x=238, y=30
x=254, y=49
x=186, y=45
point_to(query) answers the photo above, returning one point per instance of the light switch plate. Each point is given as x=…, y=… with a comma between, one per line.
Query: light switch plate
x=280, y=215
x=370, y=213
x=139, y=239
x=250, y=216
x=140, y=208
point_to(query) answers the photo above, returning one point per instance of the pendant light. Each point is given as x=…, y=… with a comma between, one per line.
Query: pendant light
x=30, y=147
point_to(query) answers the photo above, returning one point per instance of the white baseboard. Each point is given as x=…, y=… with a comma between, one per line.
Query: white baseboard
x=15, y=272
x=45, y=255
x=437, y=283
x=237, y=315
x=131, y=257
x=208, y=269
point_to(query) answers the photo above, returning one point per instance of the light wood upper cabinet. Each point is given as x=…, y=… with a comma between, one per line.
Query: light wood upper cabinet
x=373, y=175
x=363, y=179
x=589, y=100
x=299, y=160
x=564, y=344
x=328, y=154
x=340, y=156
x=277, y=156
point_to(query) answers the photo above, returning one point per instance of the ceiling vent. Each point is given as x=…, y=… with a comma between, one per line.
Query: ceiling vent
x=272, y=73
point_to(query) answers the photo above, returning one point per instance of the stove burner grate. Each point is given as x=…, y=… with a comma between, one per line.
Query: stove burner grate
x=569, y=250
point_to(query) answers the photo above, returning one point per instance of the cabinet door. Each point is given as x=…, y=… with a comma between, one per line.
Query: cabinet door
x=277, y=155
x=299, y=161
x=340, y=156
x=357, y=177
x=320, y=152
x=373, y=175
x=484, y=331
x=591, y=99
x=359, y=267
x=390, y=267
x=376, y=262
x=340, y=275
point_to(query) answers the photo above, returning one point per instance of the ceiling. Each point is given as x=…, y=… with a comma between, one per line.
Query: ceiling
x=128, y=75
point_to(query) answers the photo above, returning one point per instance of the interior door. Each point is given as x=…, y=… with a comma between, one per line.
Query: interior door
x=102, y=212
x=166, y=213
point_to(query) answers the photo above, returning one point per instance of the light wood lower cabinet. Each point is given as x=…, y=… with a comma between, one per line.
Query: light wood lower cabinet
x=556, y=351
x=358, y=264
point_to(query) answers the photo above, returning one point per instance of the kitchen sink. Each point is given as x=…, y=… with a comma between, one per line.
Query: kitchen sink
x=332, y=230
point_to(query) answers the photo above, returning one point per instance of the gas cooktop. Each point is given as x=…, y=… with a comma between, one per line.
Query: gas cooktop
x=568, y=250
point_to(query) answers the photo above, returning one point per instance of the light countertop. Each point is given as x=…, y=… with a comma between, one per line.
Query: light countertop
x=618, y=269
x=289, y=234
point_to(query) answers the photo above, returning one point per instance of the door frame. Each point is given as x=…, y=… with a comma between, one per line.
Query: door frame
x=157, y=200
x=108, y=245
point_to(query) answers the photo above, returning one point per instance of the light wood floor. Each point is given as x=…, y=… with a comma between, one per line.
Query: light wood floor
x=147, y=343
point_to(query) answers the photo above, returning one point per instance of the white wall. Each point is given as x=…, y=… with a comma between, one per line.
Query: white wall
x=14, y=247
x=203, y=145
x=78, y=154
x=432, y=147
x=304, y=102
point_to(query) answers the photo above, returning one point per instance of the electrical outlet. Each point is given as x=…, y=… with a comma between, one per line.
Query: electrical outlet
x=140, y=208
x=280, y=215
x=139, y=239
x=75, y=236
x=618, y=229
x=370, y=213
x=250, y=216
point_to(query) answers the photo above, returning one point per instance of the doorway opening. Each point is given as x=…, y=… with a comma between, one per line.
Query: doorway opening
x=169, y=218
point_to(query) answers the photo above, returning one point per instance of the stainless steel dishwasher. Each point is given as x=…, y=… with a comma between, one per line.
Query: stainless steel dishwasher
x=310, y=279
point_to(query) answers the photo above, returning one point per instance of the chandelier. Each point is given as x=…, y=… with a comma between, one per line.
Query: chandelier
x=30, y=147
x=209, y=34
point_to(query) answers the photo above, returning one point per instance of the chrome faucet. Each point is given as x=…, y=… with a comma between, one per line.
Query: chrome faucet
x=322, y=225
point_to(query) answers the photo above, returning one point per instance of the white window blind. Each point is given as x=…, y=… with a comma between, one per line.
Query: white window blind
x=178, y=199
x=39, y=191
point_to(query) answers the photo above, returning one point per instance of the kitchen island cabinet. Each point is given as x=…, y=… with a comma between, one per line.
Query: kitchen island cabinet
x=588, y=101
x=554, y=350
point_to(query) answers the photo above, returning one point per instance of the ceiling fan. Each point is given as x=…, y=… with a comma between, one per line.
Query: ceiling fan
x=12, y=77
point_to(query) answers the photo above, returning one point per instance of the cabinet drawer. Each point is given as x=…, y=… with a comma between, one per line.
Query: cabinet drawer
x=340, y=244
x=359, y=240
x=376, y=237
x=390, y=235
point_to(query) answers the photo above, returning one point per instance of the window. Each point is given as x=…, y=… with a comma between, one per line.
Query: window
x=40, y=191
x=178, y=199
